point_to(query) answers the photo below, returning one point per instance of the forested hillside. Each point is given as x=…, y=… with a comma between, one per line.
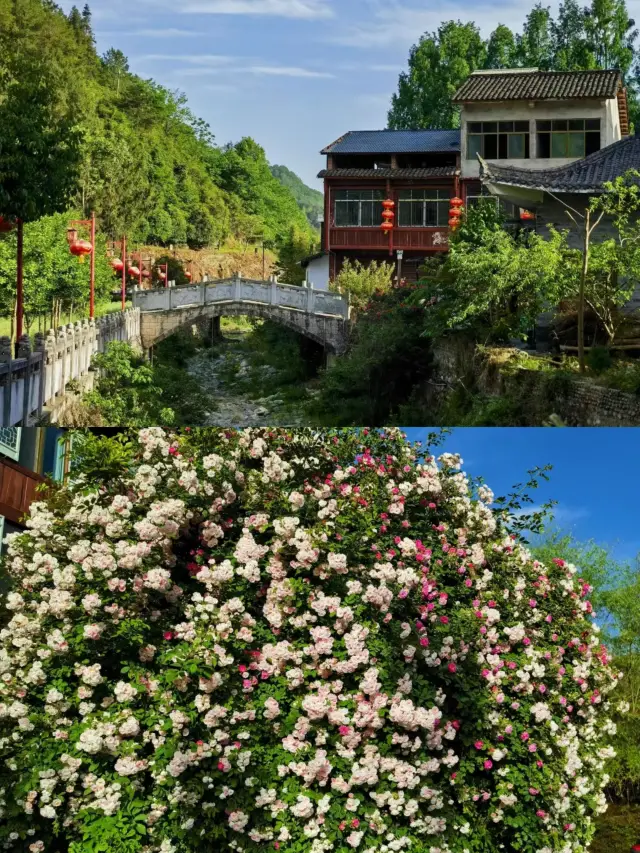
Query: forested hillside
x=79, y=130
x=309, y=200
x=601, y=35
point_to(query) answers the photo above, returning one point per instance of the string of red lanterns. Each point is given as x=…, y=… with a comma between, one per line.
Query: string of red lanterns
x=80, y=248
x=455, y=212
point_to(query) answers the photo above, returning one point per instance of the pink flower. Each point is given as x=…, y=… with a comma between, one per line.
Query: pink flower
x=168, y=635
x=403, y=593
x=533, y=747
x=488, y=764
x=452, y=667
x=478, y=744
x=524, y=736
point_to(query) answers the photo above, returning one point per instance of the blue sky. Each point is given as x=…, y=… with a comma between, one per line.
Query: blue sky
x=595, y=477
x=294, y=74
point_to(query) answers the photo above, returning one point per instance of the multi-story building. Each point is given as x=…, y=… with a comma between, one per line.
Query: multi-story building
x=513, y=121
x=28, y=456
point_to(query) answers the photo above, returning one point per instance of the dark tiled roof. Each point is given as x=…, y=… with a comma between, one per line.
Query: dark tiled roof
x=582, y=176
x=394, y=142
x=405, y=174
x=539, y=85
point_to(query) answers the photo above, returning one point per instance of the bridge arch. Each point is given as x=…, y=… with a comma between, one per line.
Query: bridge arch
x=318, y=316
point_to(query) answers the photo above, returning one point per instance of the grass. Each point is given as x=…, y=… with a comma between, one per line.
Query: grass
x=101, y=309
x=618, y=829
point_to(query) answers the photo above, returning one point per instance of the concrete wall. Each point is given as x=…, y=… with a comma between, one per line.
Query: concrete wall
x=605, y=110
x=318, y=273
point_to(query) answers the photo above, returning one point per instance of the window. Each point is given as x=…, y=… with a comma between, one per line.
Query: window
x=423, y=208
x=10, y=441
x=498, y=140
x=564, y=138
x=358, y=208
x=483, y=196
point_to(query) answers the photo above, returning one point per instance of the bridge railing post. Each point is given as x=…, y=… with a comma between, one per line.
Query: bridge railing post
x=273, y=294
x=202, y=293
x=237, y=285
x=311, y=301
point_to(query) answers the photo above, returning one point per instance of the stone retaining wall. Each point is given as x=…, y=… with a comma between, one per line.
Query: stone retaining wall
x=578, y=402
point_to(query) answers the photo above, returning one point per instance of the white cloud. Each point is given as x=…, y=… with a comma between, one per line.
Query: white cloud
x=168, y=32
x=392, y=23
x=285, y=71
x=302, y=9
x=207, y=60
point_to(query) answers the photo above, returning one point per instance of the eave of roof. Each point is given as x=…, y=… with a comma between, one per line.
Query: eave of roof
x=398, y=174
x=539, y=86
x=582, y=176
x=395, y=142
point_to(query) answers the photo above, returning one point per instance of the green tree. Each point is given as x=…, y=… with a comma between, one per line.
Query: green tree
x=360, y=282
x=501, y=48
x=438, y=65
x=571, y=48
x=535, y=43
x=611, y=33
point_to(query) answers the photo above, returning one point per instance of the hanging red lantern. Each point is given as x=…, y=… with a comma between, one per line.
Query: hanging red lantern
x=134, y=271
x=457, y=202
x=162, y=274
x=388, y=215
x=117, y=265
x=188, y=275
x=146, y=274
x=527, y=215
x=6, y=225
x=80, y=248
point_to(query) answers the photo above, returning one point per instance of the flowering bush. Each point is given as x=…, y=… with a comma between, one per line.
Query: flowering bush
x=296, y=641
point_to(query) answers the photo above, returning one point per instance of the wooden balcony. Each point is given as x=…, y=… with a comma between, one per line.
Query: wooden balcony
x=17, y=490
x=418, y=239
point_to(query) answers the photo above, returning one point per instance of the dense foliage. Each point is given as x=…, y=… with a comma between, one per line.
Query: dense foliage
x=311, y=201
x=600, y=35
x=120, y=145
x=311, y=641
x=361, y=282
x=131, y=391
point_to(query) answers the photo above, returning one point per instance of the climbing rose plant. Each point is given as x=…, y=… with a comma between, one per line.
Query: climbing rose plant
x=296, y=641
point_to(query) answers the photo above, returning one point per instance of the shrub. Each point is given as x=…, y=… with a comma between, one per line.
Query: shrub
x=304, y=641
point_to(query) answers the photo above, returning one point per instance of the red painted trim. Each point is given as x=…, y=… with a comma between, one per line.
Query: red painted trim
x=327, y=214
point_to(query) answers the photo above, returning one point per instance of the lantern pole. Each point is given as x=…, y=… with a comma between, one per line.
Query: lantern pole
x=124, y=271
x=140, y=270
x=92, y=286
x=19, y=282
x=166, y=275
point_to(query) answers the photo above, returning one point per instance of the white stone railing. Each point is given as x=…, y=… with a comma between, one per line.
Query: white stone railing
x=40, y=374
x=239, y=289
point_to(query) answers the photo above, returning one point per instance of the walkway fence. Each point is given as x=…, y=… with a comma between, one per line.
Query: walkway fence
x=43, y=369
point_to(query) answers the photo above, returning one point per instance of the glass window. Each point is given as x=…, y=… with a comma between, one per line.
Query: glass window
x=10, y=441
x=357, y=208
x=505, y=140
x=564, y=138
x=423, y=208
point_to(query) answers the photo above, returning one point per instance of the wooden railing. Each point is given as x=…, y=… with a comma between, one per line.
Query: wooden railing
x=17, y=490
x=436, y=239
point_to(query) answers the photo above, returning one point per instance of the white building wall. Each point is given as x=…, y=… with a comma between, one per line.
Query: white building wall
x=605, y=110
x=318, y=273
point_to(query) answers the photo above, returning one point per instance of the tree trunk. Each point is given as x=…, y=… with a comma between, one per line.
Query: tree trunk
x=581, y=293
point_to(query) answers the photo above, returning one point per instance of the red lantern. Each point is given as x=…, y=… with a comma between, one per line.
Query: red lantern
x=162, y=274
x=145, y=274
x=527, y=215
x=81, y=248
x=457, y=202
x=134, y=272
x=388, y=215
x=117, y=265
x=5, y=225
x=188, y=275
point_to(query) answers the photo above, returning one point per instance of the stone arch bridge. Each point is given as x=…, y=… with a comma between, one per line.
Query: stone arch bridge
x=320, y=316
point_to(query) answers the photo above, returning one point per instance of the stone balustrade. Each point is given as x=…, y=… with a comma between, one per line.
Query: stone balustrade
x=42, y=370
x=242, y=290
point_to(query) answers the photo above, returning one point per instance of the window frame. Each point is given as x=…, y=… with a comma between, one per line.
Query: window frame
x=566, y=134
x=360, y=202
x=441, y=199
x=501, y=133
x=12, y=450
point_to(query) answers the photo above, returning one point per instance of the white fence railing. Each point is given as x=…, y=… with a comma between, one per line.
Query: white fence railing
x=39, y=374
x=239, y=289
